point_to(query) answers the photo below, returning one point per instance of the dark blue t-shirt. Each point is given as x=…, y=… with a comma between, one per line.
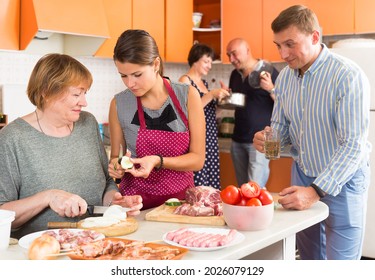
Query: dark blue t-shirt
x=258, y=109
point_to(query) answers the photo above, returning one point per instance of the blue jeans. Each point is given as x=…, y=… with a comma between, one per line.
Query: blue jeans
x=249, y=164
x=340, y=236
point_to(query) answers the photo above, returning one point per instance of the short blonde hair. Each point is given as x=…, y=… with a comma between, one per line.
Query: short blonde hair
x=52, y=75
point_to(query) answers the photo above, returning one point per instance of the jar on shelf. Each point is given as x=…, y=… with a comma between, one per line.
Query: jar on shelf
x=226, y=127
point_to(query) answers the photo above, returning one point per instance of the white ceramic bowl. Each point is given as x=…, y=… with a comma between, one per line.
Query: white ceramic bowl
x=248, y=218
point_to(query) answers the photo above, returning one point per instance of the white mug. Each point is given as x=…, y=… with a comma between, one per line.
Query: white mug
x=6, y=219
x=197, y=19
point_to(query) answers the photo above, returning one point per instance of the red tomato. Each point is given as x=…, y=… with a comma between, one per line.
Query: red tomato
x=265, y=197
x=250, y=189
x=231, y=195
x=253, y=202
x=242, y=201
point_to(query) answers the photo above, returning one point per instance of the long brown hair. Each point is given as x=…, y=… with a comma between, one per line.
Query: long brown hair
x=137, y=46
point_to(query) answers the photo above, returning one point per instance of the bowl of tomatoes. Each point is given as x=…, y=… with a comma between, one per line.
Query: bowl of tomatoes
x=248, y=207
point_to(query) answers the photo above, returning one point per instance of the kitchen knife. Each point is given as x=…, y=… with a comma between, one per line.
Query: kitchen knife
x=120, y=155
x=94, y=210
x=58, y=225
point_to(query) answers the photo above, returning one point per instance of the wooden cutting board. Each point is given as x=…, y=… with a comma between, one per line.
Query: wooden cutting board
x=123, y=228
x=164, y=213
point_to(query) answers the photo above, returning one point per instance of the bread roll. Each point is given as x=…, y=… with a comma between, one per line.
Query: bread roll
x=44, y=247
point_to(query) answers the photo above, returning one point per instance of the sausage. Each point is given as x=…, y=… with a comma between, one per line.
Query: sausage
x=229, y=237
x=210, y=242
x=189, y=238
x=172, y=234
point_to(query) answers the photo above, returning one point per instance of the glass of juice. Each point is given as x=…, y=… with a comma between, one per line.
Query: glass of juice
x=272, y=144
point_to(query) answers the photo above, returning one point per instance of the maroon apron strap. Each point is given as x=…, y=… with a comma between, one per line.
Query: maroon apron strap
x=141, y=115
x=176, y=103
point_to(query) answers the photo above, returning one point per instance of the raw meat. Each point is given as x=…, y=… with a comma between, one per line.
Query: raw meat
x=201, y=239
x=201, y=201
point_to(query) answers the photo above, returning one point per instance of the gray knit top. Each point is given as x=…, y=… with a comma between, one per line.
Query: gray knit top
x=31, y=161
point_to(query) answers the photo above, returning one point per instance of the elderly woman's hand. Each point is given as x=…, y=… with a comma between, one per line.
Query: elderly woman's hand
x=132, y=201
x=66, y=204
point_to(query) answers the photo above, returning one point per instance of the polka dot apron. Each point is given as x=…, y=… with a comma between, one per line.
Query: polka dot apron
x=164, y=183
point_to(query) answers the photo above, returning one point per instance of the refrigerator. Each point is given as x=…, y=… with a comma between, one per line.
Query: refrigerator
x=362, y=51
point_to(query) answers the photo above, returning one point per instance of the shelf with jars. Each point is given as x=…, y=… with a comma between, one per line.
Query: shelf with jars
x=207, y=30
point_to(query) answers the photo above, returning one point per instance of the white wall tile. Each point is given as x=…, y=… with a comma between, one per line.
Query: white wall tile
x=16, y=67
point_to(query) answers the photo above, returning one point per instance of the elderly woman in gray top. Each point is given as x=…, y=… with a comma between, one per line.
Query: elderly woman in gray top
x=52, y=161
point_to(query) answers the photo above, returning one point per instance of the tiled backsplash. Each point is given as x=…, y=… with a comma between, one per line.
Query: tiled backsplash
x=15, y=68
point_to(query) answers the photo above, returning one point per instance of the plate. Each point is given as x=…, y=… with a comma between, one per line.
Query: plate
x=143, y=251
x=26, y=240
x=239, y=237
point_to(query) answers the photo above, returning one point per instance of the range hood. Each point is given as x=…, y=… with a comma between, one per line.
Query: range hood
x=81, y=24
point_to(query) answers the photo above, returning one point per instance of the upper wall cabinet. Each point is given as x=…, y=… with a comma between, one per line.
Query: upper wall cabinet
x=169, y=22
x=364, y=16
x=84, y=26
x=178, y=30
x=149, y=15
x=242, y=19
x=340, y=17
x=119, y=19
x=271, y=10
x=206, y=34
x=9, y=24
x=335, y=16
x=252, y=20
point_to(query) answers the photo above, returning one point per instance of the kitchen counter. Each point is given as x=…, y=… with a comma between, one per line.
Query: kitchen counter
x=275, y=242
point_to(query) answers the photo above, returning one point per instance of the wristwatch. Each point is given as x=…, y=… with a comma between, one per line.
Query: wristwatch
x=272, y=91
x=318, y=190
